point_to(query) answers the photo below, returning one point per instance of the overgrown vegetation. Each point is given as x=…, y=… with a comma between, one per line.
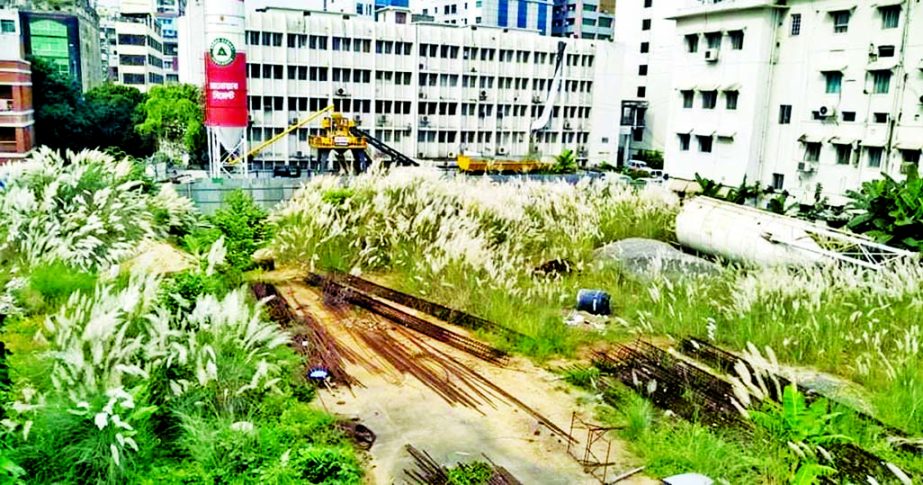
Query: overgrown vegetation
x=117, y=377
x=474, y=245
x=890, y=211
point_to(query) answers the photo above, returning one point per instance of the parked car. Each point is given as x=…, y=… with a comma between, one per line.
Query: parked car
x=286, y=171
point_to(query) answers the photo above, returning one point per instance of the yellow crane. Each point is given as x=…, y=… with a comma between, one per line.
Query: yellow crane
x=265, y=144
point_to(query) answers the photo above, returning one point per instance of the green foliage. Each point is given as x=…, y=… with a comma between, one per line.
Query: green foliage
x=174, y=116
x=326, y=466
x=50, y=284
x=653, y=158
x=65, y=118
x=889, y=211
x=708, y=187
x=113, y=111
x=565, y=162
x=474, y=473
x=585, y=377
x=180, y=292
x=794, y=420
x=337, y=196
x=743, y=192
x=243, y=224
x=60, y=120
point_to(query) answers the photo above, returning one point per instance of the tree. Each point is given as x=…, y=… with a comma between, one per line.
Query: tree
x=175, y=117
x=114, y=110
x=566, y=162
x=60, y=115
x=889, y=211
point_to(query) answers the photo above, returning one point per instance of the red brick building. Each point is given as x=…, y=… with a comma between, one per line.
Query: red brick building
x=17, y=130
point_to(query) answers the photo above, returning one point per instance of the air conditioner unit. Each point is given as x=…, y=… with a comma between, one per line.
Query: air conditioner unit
x=566, y=124
x=711, y=55
x=806, y=167
x=422, y=95
x=826, y=111
x=341, y=92
x=382, y=120
x=420, y=154
x=358, y=119
x=424, y=120
x=451, y=155
x=299, y=154
x=536, y=99
x=483, y=95
x=501, y=151
x=581, y=150
x=474, y=69
x=291, y=121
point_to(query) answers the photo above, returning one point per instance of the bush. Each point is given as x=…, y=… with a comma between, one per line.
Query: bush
x=243, y=225
x=50, y=284
x=322, y=465
x=889, y=211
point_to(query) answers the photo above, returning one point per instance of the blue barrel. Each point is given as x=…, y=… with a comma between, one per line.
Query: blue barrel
x=595, y=302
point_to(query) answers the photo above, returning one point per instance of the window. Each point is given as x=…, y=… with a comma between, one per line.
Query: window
x=713, y=39
x=705, y=143
x=849, y=116
x=785, y=114
x=133, y=78
x=688, y=97
x=778, y=181
x=890, y=16
x=709, y=99
x=684, y=139
x=7, y=26
x=881, y=82
x=642, y=70
x=881, y=117
x=737, y=39
x=874, y=156
x=843, y=153
x=648, y=3
x=886, y=51
x=834, y=81
x=811, y=152
x=911, y=156
x=692, y=43
x=646, y=24
x=840, y=21
x=730, y=98
x=796, y=24
x=642, y=91
x=637, y=134
x=645, y=47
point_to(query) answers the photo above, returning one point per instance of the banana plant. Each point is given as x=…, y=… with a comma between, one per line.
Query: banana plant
x=889, y=211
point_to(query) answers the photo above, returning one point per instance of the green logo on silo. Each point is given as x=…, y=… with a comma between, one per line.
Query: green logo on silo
x=222, y=52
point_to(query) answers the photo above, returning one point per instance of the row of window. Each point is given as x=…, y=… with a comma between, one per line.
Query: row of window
x=714, y=40
x=785, y=116
x=709, y=99
x=140, y=40
x=880, y=81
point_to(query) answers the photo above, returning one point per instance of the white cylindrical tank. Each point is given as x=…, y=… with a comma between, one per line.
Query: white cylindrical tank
x=226, y=70
x=745, y=234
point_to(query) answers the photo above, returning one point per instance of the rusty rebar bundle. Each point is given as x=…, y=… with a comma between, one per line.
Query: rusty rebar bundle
x=428, y=471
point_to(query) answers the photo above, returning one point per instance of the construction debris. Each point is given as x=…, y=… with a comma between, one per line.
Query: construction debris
x=428, y=471
x=340, y=291
x=446, y=314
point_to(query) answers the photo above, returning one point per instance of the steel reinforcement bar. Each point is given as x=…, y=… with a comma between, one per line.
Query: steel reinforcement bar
x=444, y=313
x=363, y=300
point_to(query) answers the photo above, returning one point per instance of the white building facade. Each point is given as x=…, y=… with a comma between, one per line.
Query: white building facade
x=431, y=91
x=798, y=94
x=646, y=32
x=133, y=44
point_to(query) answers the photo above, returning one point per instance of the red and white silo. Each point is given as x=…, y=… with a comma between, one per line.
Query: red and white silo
x=226, y=85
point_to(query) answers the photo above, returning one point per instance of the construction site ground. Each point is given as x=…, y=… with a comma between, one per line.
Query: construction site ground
x=402, y=410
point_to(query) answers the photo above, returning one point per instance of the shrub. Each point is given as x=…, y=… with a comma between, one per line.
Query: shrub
x=324, y=465
x=475, y=473
x=50, y=284
x=243, y=225
x=889, y=211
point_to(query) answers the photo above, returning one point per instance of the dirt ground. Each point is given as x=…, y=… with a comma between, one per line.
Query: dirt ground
x=402, y=410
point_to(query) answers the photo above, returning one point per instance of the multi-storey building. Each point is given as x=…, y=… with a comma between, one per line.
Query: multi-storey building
x=585, y=19
x=519, y=14
x=431, y=91
x=795, y=94
x=139, y=50
x=16, y=116
x=647, y=35
x=66, y=34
